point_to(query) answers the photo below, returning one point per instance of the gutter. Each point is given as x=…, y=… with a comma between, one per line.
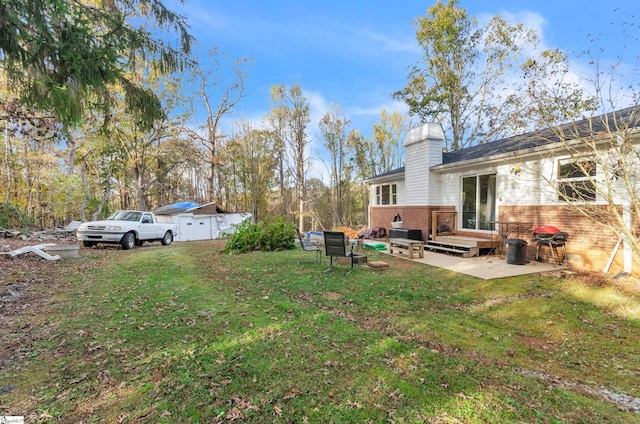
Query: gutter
x=551, y=147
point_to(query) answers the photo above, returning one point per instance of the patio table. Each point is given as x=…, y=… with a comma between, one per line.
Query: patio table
x=506, y=229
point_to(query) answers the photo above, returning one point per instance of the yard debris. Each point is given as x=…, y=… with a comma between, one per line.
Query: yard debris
x=7, y=389
x=37, y=249
x=373, y=233
x=9, y=233
x=56, y=234
x=15, y=240
x=69, y=228
x=14, y=293
x=349, y=232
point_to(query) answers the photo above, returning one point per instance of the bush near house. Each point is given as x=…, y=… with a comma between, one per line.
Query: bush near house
x=278, y=235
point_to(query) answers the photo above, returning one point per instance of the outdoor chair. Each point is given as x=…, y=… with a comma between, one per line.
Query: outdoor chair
x=335, y=245
x=310, y=246
x=553, y=241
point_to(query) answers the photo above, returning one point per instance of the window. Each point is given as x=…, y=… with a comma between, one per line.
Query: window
x=576, y=180
x=478, y=201
x=386, y=194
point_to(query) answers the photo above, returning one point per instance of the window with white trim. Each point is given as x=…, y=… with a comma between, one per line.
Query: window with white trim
x=576, y=180
x=386, y=194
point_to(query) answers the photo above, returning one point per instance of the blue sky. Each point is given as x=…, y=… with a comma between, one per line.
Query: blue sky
x=356, y=53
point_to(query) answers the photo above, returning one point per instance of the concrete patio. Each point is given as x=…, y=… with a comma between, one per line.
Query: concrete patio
x=484, y=267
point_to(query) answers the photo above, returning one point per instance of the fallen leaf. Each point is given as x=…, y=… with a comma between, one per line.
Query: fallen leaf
x=234, y=414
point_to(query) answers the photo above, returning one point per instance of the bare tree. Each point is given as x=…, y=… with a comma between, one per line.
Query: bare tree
x=599, y=176
x=276, y=121
x=596, y=171
x=221, y=88
x=293, y=107
x=333, y=128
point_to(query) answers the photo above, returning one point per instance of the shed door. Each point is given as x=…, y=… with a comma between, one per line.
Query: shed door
x=202, y=229
x=186, y=228
x=191, y=228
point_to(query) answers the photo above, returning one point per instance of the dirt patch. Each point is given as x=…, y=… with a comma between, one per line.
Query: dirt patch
x=537, y=343
x=622, y=401
x=29, y=286
x=332, y=296
x=501, y=300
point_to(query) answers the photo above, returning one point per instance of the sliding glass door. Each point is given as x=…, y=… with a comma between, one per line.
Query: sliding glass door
x=478, y=201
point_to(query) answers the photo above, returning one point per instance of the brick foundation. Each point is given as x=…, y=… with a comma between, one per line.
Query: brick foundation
x=590, y=245
x=413, y=217
x=589, y=248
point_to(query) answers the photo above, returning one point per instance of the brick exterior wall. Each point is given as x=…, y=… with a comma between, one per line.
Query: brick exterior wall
x=589, y=246
x=413, y=217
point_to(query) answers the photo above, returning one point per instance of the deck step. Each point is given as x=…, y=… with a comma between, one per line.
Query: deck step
x=465, y=250
x=461, y=245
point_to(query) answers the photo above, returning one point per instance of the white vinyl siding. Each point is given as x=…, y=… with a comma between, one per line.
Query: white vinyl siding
x=417, y=174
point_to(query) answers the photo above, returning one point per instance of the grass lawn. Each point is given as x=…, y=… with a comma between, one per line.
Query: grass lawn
x=187, y=334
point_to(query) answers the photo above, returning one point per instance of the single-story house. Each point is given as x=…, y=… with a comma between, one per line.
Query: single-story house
x=200, y=222
x=519, y=179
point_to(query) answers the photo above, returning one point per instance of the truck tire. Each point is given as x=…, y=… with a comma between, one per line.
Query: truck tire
x=128, y=241
x=167, y=239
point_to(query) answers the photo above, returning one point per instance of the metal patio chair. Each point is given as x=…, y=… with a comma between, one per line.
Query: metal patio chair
x=310, y=246
x=335, y=246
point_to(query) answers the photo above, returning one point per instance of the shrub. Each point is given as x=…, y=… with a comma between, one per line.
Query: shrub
x=279, y=235
x=12, y=218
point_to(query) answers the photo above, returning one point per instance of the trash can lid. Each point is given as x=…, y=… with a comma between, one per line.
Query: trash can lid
x=519, y=242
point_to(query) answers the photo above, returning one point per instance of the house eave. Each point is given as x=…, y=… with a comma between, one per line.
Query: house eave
x=393, y=175
x=518, y=155
x=387, y=178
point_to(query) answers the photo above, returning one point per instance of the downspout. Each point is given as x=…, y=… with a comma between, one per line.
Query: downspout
x=369, y=206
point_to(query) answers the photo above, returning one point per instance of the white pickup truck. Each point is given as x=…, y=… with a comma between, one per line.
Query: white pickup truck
x=127, y=228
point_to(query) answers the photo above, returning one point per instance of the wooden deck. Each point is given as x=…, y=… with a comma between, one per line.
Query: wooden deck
x=461, y=245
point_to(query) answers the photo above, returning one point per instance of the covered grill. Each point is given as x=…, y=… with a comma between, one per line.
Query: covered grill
x=550, y=236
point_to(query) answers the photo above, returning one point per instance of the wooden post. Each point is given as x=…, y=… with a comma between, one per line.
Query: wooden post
x=434, y=225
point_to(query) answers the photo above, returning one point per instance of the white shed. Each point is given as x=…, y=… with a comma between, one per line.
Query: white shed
x=200, y=222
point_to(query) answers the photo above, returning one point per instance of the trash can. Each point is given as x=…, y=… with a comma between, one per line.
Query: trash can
x=516, y=252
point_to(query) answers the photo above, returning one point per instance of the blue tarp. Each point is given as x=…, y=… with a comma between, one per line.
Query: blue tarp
x=176, y=208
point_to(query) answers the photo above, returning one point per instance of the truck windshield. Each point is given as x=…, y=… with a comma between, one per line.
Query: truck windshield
x=125, y=216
